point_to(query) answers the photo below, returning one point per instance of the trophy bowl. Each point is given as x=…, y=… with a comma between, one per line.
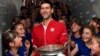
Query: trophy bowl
x=51, y=50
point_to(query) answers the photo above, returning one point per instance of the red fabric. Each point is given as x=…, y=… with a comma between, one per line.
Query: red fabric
x=56, y=33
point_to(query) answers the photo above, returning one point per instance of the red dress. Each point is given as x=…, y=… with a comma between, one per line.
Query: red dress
x=55, y=33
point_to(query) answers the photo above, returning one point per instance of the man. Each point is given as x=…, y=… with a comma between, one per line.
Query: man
x=49, y=31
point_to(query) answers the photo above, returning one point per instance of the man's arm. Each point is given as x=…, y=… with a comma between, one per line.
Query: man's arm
x=63, y=36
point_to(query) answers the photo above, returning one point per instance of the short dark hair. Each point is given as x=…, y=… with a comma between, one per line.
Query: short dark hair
x=48, y=2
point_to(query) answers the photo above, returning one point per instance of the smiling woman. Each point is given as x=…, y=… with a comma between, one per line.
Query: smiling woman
x=83, y=46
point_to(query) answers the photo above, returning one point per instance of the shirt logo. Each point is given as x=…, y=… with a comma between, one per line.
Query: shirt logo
x=52, y=29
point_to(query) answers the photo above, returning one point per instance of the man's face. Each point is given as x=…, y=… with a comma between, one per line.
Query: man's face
x=46, y=10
